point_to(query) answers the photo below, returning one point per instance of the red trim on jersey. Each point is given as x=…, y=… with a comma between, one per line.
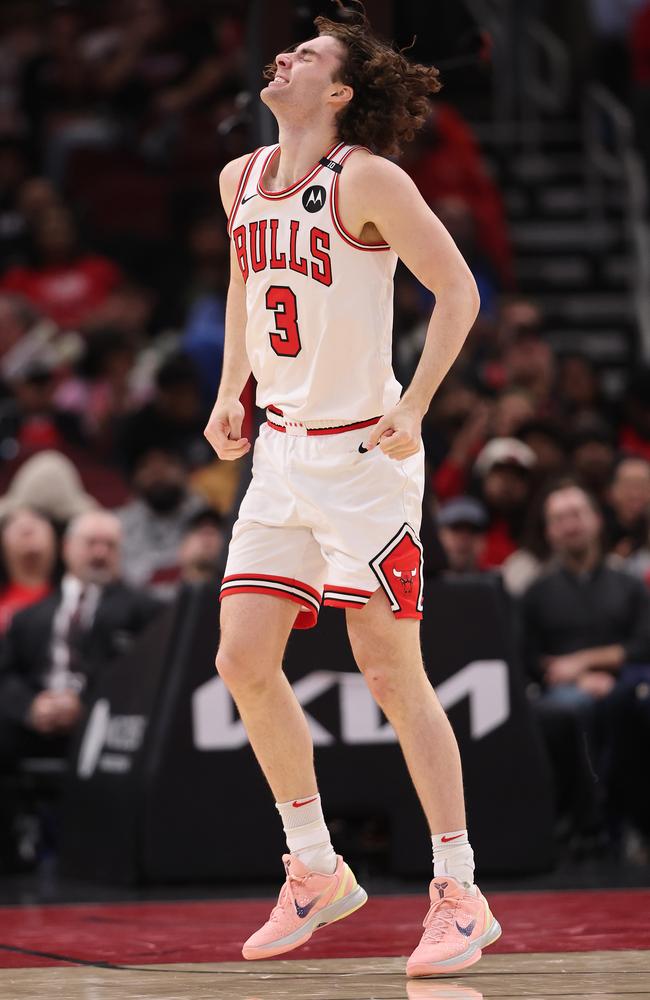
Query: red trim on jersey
x=300, y=184
x=336, y=218
x=319, y=431
x=245, y=174
x=274, y=409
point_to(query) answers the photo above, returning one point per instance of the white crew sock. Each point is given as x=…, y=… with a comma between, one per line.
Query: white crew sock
x=452, y=855
x=307, y=835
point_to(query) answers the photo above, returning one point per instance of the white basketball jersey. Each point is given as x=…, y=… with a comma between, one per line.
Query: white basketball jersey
x=319, y=302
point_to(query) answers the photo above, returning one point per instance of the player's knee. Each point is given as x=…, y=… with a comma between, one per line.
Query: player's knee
x=241, y=669
x=383, y=683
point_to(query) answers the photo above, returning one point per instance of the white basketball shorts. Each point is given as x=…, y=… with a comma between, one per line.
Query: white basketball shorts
x=324, y=523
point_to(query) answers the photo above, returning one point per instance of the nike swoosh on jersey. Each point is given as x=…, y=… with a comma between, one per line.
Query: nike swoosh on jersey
x=248, y=198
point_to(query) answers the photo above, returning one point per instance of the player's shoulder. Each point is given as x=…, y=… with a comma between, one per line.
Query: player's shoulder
x=229, y=178
x=364, y=167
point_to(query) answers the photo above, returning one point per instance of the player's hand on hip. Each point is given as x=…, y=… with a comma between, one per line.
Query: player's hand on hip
x=223, y=430
x=398, y=433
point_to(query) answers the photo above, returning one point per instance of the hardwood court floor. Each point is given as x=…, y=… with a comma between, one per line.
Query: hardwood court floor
x=574, y=976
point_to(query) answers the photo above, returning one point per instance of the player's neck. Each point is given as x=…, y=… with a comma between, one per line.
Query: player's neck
x=300, y=149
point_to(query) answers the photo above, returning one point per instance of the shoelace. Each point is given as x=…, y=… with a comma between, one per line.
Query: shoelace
x=439, y=918
x=287, y=889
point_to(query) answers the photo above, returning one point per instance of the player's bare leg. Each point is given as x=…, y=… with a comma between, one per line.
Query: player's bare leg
x=387, y=651
x=254, y=633
x=459, y=923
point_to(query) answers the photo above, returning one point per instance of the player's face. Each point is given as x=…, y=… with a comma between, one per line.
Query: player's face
x=304, y=78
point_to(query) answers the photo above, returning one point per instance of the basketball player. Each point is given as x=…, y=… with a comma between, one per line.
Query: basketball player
x=333, y=510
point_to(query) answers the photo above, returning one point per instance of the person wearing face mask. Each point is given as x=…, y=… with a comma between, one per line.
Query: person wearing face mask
x=155, y=521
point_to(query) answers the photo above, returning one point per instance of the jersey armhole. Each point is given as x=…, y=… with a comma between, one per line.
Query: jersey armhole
x=241, y=187
x=336, y=218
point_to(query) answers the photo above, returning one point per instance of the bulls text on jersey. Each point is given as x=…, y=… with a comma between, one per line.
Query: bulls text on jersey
x=257, y=248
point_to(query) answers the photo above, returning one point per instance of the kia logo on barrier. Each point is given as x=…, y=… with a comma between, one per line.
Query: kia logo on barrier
x=484, y=682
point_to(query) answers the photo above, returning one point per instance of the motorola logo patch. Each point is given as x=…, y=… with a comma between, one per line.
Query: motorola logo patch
x=314, y=198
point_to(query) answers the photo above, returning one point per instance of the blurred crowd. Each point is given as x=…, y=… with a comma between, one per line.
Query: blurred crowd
x=114, y=121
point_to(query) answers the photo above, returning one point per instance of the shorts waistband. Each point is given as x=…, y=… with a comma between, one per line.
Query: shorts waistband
x=296, y=428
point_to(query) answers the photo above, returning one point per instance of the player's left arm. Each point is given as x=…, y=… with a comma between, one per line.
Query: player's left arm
x=381, y=194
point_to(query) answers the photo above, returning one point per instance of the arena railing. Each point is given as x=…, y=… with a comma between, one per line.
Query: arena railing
x=611, y=156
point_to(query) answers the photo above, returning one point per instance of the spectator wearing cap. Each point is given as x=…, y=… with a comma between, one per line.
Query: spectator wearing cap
x=49, y=483
x=462, y=524
x=504, y=468
x=155, y=521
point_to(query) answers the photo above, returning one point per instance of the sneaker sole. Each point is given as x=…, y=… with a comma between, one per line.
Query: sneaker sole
x=328, y=915
x=471, y=955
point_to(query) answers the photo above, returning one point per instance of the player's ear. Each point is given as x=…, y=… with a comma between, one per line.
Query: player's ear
x=341, y=94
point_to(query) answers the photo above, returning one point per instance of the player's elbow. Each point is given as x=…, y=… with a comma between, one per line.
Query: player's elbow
x=461, y=293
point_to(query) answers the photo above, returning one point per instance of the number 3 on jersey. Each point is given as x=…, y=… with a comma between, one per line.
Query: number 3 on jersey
x=285, y=339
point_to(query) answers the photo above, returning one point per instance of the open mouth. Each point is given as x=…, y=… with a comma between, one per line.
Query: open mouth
x=278, y=81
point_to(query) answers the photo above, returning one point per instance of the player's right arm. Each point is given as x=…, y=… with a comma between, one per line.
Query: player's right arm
x=223, y=429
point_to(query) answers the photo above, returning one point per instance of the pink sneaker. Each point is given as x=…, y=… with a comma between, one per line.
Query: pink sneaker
x=458, y=925
x=429, y=989
x=307, y=901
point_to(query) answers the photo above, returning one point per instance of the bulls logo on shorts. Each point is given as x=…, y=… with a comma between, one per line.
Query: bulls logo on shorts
x=399, y=567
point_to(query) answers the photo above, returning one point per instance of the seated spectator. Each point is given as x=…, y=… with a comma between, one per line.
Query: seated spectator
x=504, y=468
x=174, y=417
x=54, y=649
x=202, y=547
x=592, y=455
x=444, y=160
x=64, y=280
x=462, y=524
x=512, y=409
x=28, y=552
x=579, y=388
x=101, y=390
x=582, y=621
x=155, y=521
x=628, y=511
x=545, y=438
x=530, y=560
x=634, y=437
x=49, y=483
x=529, y=364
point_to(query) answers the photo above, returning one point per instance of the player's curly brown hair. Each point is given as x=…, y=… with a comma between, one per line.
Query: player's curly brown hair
x=391, y=94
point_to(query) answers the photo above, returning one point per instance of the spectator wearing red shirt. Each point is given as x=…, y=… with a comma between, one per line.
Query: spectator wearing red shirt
x=504, y=467
x=65, y=282
x=445, y=161
x=28, y=551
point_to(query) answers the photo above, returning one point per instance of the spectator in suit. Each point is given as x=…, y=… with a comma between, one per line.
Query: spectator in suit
x=55, y=648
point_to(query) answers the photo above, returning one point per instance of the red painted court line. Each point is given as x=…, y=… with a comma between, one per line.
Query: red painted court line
x=149, y=933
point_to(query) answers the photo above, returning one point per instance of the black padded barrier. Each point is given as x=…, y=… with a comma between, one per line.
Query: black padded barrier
x=163, y=758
